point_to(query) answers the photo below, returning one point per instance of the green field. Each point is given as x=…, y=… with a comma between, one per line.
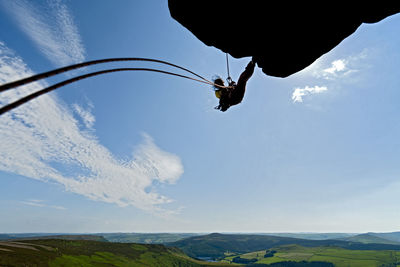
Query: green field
x=338, y=256
x=57, y=252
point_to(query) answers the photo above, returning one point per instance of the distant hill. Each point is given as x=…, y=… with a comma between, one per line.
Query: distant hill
x=25, y=235
x=51, y=236
x=314, y=236
x=5, y=237
x=143, y=238
x=58, y=252
x=146, y=238
x=394, y=236
x=370, y=238
x=67, y=237
x=216, y=245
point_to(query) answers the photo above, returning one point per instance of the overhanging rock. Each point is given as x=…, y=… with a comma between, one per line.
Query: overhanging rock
x=282, y=38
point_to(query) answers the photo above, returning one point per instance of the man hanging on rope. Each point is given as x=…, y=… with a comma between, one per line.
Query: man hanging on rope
x=229, y=96
x=234, y=94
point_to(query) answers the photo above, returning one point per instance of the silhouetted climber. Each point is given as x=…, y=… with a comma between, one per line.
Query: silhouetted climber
x=229, y=96
x=235, y=93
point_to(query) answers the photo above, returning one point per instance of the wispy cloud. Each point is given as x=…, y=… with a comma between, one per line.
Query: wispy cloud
x=299, y=93
x=42, y=140
x=50, y=25
x=340, y=68
x=40, y=203
x=85, y=114
x=338, y=71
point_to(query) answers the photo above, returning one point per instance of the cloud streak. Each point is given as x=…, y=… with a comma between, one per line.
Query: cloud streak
x=44, y=141
x=41, y=204
x=299, y=93
x=51, y=27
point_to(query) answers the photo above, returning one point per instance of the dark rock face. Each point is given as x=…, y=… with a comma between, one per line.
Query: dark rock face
x=283, y=37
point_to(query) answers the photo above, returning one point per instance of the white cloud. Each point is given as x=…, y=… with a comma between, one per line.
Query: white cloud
x=85, y=114
x=51, y=27
x=299, y=93
x=336, y=66
x=42, y=140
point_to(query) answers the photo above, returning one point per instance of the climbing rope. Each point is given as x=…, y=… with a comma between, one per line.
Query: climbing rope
x=81, y=77
x=51, y=73
x=48, y=74
x=229, y=79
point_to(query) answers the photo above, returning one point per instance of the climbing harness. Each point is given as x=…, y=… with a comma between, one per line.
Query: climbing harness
x=219, y=91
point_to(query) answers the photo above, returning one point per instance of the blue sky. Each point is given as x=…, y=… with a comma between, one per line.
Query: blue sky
x=145, y=152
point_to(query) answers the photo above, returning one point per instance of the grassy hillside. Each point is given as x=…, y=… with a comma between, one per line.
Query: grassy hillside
x=145, y=238
x=58, y=252
x=217, y=245
x=338, y=256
